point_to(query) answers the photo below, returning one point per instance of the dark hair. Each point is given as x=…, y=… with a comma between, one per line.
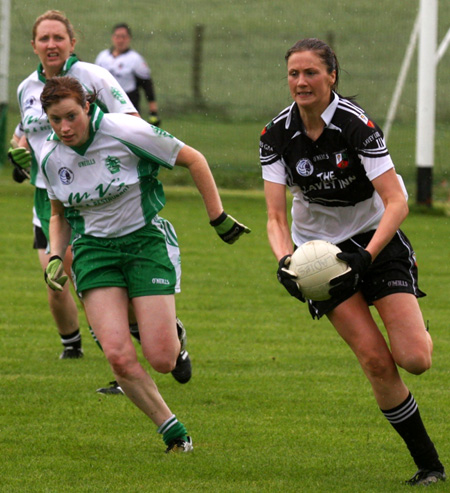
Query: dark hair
x=122, y=25
x=54, y=15
x=327, y=55
x=58, y=88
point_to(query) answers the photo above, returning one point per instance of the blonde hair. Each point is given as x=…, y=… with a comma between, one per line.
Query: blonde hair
x=54, y=15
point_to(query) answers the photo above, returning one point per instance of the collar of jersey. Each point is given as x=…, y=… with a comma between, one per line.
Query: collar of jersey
x=96, y=115
x=326, y=116
x=330, y=110
x=66, y=67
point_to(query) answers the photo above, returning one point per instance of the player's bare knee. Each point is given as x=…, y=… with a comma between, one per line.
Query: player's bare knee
x=415, y=363
x=121, y=363
x=163, y=365
x=57, y=298
x=376, y=366
x=161, y=358
x=162, y=362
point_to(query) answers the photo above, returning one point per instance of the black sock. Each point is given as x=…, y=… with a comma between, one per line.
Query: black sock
x=407, y=422
x=134, y=331
x=72, y=340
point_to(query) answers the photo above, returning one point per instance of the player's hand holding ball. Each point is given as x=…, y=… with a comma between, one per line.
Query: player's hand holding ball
x=228, y=228
x=154, y=119
x=53, y=273
x=359, y=262
x=288, y=278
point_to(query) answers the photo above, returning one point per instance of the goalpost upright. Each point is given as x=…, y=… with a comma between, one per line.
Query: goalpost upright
x=426, y=99
x=425, y=30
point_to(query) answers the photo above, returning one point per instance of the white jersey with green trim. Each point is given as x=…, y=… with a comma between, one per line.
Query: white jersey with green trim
x=109, y=186
x=35, y=122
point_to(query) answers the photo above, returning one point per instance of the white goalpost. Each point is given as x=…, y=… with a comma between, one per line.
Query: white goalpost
x=423, y=33
x=426, y=99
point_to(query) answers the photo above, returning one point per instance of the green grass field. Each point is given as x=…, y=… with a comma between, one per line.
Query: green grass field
x=277, y=402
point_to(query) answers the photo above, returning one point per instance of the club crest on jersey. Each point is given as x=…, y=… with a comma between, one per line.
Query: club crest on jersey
x=264, y=130
x=304, y=167
x=113, y=164
x=341, y=159
x=66, y=176
x=30, y=102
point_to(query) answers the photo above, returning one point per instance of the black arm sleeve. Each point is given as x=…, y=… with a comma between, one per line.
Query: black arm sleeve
x=147, y=85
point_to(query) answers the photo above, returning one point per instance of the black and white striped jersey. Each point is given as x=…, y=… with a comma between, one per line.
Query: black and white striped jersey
x=330, y=177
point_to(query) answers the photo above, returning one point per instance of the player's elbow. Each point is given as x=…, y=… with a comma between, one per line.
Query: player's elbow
x=402, y=204
x=404, y=208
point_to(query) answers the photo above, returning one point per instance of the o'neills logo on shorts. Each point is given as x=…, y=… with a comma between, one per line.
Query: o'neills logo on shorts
x=158, y=280
x=398, y=284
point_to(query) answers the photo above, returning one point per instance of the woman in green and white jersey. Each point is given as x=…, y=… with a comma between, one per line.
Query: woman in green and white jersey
x=101, y=174
x=53, y=40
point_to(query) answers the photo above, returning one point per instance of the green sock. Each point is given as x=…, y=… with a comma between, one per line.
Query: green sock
x=171, y=429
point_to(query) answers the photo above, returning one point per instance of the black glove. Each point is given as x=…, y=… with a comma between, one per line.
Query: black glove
x=20, y=158
x=228, y=228
x=358, y=262
x=154, y=119
x=19, y=175
x=287, y=278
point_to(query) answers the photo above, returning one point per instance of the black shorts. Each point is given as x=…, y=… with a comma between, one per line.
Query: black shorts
x=393, y=271
x=40, y=240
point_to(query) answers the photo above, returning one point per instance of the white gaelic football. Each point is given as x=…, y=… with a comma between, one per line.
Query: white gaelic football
x=315, y=264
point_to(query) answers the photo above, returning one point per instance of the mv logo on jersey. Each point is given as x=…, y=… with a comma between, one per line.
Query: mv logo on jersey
x=66, y=176
x=304, y=167
x=113, y=164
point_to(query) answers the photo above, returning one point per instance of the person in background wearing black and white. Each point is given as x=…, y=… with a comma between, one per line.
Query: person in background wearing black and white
x=130, y=69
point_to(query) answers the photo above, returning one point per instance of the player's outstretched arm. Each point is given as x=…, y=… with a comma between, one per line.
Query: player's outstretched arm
x=228, y=228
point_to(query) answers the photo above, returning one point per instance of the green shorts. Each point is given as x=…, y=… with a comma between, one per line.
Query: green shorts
x=145, y=262
x=42, y=208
